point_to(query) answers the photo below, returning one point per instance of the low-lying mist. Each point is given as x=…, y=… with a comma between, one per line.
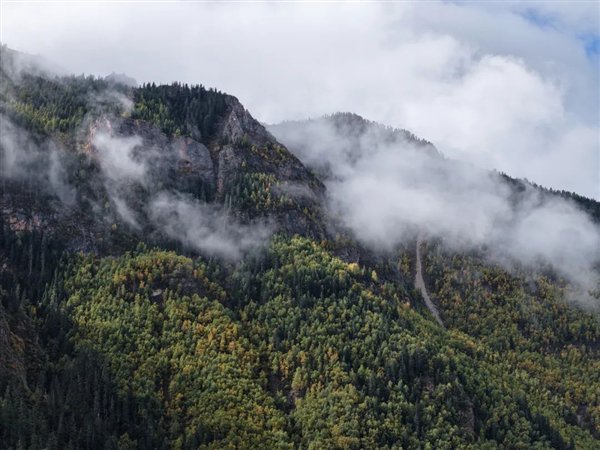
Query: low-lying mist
x=125, y=186
x=385, y=186
x=25, y=158
x=202, y=226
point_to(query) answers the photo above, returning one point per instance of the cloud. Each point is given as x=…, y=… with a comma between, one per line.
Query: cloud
x=124, y=177
x=386, y=188
x=502, y=115
x=18, y=152
x=203, y=227
x=125, y=163
x=39, y=164
x=110, y=99
x=123, y=167
x=125, y=212
x=521, y=101
x=117, y=157
x=57, y=176
x=450, y=72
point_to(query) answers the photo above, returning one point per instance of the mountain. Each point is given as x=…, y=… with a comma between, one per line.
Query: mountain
x=346, y=135
x=15, y=63
x=175, y=275
x=177, y=140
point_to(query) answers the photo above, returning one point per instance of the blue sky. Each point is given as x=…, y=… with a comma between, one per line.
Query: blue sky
x=590, y=39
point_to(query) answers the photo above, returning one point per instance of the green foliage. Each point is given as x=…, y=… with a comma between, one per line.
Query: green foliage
x=271, y=152
x=550, y=345
x=179, y=109
x=178, y=351
x=294, y=348
x=48, y=105
x=255, y=193
x=290, y=348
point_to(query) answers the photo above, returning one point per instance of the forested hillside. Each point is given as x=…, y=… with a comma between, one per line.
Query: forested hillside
x=171, y=276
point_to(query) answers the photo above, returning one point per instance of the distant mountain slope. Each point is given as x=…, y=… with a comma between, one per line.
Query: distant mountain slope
x=347, y=137
x=190, y=144
x=342, y=136
x=15, y=63
x=171, y=276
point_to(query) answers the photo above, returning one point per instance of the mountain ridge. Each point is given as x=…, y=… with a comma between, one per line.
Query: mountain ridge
x=172, y=276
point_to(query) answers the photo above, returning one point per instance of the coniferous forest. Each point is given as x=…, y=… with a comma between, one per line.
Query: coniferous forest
x=147, y=311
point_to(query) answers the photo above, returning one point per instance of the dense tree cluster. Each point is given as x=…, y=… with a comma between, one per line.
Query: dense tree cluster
x=180, y=109
x=255, y=193
x=306, y=343
x=59, y=104
x=588, y=205
x=292, y=348
x=551, y=345
x=47, y=105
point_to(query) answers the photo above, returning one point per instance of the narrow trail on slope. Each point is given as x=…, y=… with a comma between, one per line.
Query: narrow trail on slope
x=420, y=284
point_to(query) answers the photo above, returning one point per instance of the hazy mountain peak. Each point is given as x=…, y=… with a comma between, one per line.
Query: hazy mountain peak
x=15, y=63
x=121, y=78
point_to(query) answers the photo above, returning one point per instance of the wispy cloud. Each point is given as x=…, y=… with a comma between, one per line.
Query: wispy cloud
x=386, y=190
x=37, y=164
x=517, y=101
x=203, y=227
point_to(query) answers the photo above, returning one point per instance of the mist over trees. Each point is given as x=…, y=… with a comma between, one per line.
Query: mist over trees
x=171, y=276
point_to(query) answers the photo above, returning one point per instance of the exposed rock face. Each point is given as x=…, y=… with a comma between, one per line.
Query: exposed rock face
x=238, y=124
x=229, y=163
x=193, y=159
x=168, y=161
x=89, y=177
x=115, y=165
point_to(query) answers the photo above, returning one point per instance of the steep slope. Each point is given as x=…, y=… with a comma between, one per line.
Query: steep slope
x=346, y=138
x=295, y=349
x=145, y=303
x=105, y=152
x=343, y=137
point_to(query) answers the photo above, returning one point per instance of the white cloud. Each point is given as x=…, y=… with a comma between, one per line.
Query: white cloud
x=117, y=157
x=387, y=191
x=41, y=165
x=505, y=85
x=204, y=228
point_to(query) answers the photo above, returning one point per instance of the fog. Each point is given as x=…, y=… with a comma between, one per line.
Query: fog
x=385, y=186
x=488, y=99
x=117, y=159
x=205, y=228
x=124, y=176
x=510, y=86
x=24, y=159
